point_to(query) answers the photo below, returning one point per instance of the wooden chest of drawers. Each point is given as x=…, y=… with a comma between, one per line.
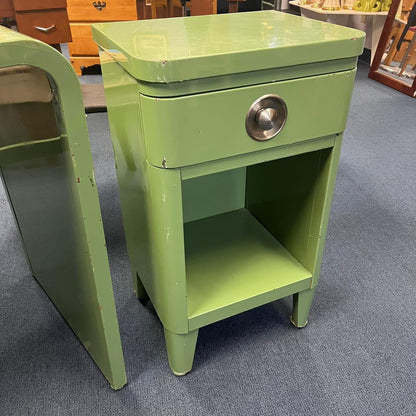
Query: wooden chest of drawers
x=45, y=20
x=83, y=51
x=6, y=8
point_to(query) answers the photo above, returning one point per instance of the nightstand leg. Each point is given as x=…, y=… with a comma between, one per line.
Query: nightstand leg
x=301, y=305
x=181, y=351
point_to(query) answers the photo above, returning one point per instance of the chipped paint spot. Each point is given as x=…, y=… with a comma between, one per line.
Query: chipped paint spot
x=164, y=163
x=92, y=182
x=164, y=63
x=78, y=180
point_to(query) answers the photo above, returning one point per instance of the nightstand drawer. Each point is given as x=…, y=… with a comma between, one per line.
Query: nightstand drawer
x=82, y=43
x=199, y=128
x=26, y=5
x=49, y=26
x=104, y=10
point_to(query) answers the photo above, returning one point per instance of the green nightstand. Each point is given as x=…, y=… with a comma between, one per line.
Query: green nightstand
x=227, y=132
x=46, y=168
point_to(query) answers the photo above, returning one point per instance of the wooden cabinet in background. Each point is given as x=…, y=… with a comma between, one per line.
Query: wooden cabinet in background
x=173, y=8
x=201, y=7
x=82, y=50
x=6, y=8
x=45, y=20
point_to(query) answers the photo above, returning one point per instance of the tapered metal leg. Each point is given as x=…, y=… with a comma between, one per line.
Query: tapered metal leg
x=181, y=351
x=301, y=305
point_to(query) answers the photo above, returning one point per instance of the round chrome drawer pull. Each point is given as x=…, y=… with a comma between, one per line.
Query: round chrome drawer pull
x=266, y=117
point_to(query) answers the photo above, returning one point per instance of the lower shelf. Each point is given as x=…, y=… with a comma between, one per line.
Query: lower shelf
x=234, y=264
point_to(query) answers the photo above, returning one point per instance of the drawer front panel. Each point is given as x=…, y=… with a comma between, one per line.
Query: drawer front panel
x=85, y=10
x=55, y=22
x=20, y=5
x=82, y=43
x=6, y=8
x=198, y=128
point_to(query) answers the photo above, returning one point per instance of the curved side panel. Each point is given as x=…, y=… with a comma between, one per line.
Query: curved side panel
x=51, y=187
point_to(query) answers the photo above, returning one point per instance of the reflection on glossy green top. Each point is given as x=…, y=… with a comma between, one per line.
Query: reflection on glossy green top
x=168, y=50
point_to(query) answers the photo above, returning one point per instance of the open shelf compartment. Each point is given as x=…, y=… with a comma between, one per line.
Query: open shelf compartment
x=253, y=234
x=236, y=266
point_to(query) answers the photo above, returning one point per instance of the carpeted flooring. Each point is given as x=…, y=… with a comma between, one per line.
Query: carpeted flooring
x=357, y=356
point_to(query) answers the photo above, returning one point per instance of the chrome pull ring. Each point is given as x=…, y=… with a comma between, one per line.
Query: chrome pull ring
x=266, y=117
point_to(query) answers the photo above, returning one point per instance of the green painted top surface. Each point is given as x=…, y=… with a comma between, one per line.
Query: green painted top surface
x=179, y=49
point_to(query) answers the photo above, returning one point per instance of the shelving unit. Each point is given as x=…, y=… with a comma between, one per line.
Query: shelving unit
x=374, y=21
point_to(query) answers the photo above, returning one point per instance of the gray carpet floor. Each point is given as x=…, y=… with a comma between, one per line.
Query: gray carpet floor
x=357, y=356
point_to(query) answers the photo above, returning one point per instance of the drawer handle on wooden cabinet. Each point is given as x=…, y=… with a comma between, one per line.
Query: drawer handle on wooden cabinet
x=99, y=5
x=45, y=29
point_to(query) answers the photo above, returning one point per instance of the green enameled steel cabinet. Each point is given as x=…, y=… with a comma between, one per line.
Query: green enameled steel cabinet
x=48, y=177
x=227, y=132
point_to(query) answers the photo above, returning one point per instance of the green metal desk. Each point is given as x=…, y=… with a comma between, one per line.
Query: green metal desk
x=46, y=169
x=227, y=132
